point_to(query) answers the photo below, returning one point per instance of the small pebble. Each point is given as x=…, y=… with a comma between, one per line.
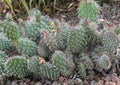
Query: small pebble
x=100, y=82
x=110, y=83
x=8, y=83
x=55, y=83
x=48, y=82
x=32, y=83
x=14, y=83
x=78, y=81
x=65, y=83
x=70, y=82
x=61, y=79
x=38, y=83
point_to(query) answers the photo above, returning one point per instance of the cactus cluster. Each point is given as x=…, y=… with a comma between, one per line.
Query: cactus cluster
x=52, y=50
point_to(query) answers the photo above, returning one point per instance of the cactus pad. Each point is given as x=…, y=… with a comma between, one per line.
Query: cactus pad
x=49, y=71
x=27, y=47
x=77, y=40
x=17, y=66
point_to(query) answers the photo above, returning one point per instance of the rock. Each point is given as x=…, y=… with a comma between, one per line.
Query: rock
x=2, y=83
x=99, y=82
x=93, y=82
x=85, y=82
x=112, y=78
x=48, y=82
x=21, y=83
x=70, y=82
x=32, y=83
x=14, y=83
x=38, y=83
x=110, y=83
x=78, y=81
x=61, y=79
x=118, y=83
x=65, y=83
x=8, y=83
x=1, y=78
x=25, y=83
x=55, y=83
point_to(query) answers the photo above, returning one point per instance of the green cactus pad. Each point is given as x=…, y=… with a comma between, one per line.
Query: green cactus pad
x=70, y=62
x=92, y=37
x=109, y=41
x=104, y=62
x=77, y=40
x=60, y=61
x=32, y=31
x=49, y=71
x=87, y=62
x=11, y=30
x=89, y=9
x=62, y=36
x=51, y=42
x=34, y=14
x=81, y=69
x=43, y=49
x=47, y=23
x=34, y=65
x=5, y=43
x=3, y=58
x=27, y=47
x=16, y=66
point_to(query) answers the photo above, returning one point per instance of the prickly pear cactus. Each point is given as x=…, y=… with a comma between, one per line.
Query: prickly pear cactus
x=34, y=14
x=92, y=37
x=77, y=40
x=32, y=31
x=3, y=58
x=47, y=23
x=11, y=30
x=34, y=64
x=81, y=70
x=51, y=42
x=71, y=64
x=87, y=62
x=89, y=9
x=5, y=43
x=17, y=66
x=27, y=47
x=49, y=71
x=60, y=61
x=9, y=16
x=62, y=36
x=104, y=62
x=109, y=41
x=43, y=49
